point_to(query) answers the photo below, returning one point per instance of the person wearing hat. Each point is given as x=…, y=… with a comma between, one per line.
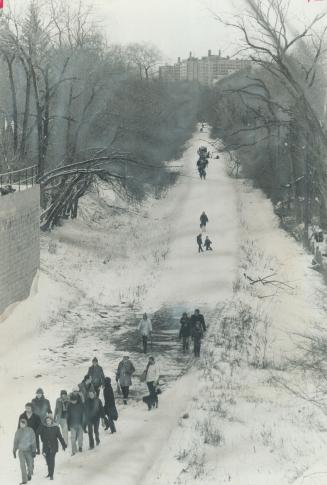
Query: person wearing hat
x=25, y=444
x=76, y=420
x=33, y=421
x=124, y=374
x=50, y=436
x=97, y=375
x=60, y=415
x=41, y=405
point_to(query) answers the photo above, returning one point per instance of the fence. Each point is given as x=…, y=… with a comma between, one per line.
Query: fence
x=19, y=179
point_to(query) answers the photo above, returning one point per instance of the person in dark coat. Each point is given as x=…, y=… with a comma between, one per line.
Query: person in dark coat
x=110, y=411
x=93, y=413
x=198, y=317
x=197, y=335
x=124, y=374
x=41, y=405
x=85, y=387
x=33, y=421
x=202, y=163
x=97, y=375
x=199, y=243
x=185, y=331
x=50, y=435
x=76, y=420
x=207, y=244
x=60, y=415
x=25, y=444
x=203, y=221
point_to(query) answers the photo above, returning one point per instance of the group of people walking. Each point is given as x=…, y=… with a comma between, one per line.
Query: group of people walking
x=78, y=412
x=194, y=328
x=199, y=240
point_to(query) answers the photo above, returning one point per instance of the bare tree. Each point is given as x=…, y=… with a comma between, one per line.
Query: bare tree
x=145, y=57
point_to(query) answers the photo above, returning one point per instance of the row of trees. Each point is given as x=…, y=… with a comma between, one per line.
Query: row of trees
x=82, y=109
x=272, y=116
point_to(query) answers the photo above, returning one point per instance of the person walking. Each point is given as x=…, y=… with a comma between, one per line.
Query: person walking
x=25, y=444
x=199, y=243
x=76, y=421
x=197, y=335
x=97, y=375
x=93, y=413
x=145, y=329
x=50, y=436
x=198, y=317
x=207, y=244
x=152, y=379
x=185, y=332
x=124, y=374
x=33, y=421
x=60, y=415
x=85, y=387
x=110, y=410
x=40, y=405
x=203, y=221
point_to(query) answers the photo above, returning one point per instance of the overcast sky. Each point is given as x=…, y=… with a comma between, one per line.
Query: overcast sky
x=177, y=26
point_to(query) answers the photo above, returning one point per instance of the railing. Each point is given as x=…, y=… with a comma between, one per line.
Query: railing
x=21, y=179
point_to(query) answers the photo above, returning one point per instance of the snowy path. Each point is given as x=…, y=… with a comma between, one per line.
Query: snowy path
x=188, y=280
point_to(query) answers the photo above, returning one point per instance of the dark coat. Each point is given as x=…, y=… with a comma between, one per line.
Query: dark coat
x=198, y=318
x=75, y=415
x=207, y=243
x=197, y=331
x=93, y=410
x=97, y=375
x=204, y=219
x=50, y=436
x=109, y=402
x=84, y=390
x=33, y=422
x=199, y=239
x=185, y=330
x=41, y=407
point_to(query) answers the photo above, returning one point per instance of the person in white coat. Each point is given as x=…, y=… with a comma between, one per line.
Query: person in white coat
x=152, y=380
x=145, y=329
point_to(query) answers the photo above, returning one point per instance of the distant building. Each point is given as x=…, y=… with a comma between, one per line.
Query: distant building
x=207, y=70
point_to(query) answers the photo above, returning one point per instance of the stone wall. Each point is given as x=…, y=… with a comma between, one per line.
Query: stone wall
x=19, y=244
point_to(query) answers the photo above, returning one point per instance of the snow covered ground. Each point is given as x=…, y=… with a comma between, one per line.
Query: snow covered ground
x=229, y=418
x=96, y=278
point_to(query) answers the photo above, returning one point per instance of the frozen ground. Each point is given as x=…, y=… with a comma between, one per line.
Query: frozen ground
x=96, y=278
x=230, y=418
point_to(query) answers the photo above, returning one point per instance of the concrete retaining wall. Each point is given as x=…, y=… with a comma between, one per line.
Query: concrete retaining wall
x=19, y=244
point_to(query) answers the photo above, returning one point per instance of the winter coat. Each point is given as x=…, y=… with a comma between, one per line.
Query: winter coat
x=33, y=421
x=198, y=318
x=25, y=440
x=124, y=373
x=41, y=407
x=93, y=410
x=61, y=409
x=97, y=375
x=199, y=239
x=84, y=390
x=75, y=415
x=204, y=219
x=153, y=373
x=207, y=243
x=50, y=436
x=185, y=330
x=145, y=327
x=197, y=331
